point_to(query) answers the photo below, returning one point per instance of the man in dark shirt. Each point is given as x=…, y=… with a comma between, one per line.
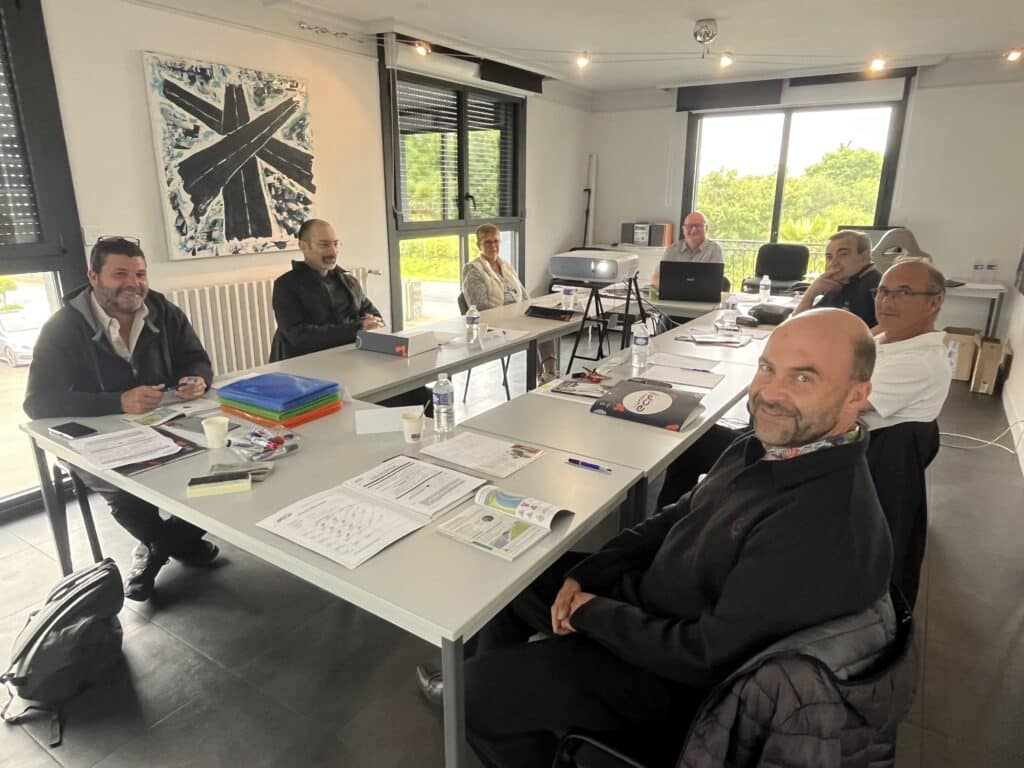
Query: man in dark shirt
x=848, y=279
x=318, y=305
x=784, y=533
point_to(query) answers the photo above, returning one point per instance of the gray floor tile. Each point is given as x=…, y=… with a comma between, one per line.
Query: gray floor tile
x=231, y=725
x=159, y=675
x=370, y=738
x=10, y=543
x=938, y=751
x=35, y=529
x=19, y=750
x=25, y=578
x=908, y=747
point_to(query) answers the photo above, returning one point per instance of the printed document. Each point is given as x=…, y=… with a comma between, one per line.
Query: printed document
x=684, y=376
x=416, y=485
x=683, y=361
x=340, y=527
x=126, y=446
x=483, y=454
x=502, y=523
x=172, y=410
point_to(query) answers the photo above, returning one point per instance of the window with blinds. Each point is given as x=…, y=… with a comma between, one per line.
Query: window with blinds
x=428, y=147
x=19, y=217
x=492, y=173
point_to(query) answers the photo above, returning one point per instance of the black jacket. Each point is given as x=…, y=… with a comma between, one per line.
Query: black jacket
x=831, y=696
x=75, y=371
x=855, y=296
x=757, y=551
x=308, y=320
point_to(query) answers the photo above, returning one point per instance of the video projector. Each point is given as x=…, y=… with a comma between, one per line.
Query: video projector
x=594, y=266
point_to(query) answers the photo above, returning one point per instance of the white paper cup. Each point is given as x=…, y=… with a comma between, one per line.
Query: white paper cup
x=216, y=430
x=412, y=426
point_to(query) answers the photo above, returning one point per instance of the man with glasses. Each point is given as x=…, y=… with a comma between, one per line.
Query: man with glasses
x=117, y=347
x=848, y=278
x=318, y=305
x=694, y=245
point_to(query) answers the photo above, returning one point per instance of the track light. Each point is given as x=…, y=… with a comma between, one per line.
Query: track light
x=877, y=65
x=422, y=48
x=725, y=60
x=1014, y=55
x=583, y=60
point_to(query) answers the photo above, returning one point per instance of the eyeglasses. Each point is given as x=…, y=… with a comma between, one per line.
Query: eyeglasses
x=117, y=238
x=490, y=242
x=899, y=294
x=694, y=226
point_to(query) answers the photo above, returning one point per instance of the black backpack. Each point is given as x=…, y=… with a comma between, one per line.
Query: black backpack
x=70, y=641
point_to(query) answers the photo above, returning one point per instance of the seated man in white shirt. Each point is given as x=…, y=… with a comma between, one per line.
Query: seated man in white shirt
x=911, y=377
x=694, y=245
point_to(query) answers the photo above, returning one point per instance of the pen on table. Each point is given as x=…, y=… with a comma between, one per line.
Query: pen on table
x=652, y=382
x=588, y=465
x=698, y=370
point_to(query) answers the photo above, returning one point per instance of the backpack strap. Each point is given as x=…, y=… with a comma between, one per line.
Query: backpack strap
x=56, y=720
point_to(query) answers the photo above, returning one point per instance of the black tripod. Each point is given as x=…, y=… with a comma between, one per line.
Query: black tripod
x=600, y=319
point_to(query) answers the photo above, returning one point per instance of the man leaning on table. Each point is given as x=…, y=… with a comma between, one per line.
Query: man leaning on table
x=693, y=246
x=849, y=278
x=785, y=533
x=114, y=347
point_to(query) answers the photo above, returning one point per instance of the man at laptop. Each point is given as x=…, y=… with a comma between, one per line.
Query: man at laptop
x=694, y=245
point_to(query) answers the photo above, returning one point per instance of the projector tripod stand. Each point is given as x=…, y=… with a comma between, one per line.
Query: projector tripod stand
x=600, y=319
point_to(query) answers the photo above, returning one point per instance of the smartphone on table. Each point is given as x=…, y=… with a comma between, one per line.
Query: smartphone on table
x=71, y=430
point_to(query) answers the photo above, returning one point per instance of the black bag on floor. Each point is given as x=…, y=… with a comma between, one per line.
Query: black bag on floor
x=70, y=641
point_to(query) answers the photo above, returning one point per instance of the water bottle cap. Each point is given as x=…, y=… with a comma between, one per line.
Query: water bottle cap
x=442, y=377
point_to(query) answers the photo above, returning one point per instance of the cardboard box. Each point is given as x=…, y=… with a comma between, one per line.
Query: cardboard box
x=961, y=347
x=403, y=344
x=991, y=358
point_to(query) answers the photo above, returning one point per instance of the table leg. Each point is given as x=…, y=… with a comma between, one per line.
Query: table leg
x=531, y=366
x=635, y=509
x=452, y=663
x=994, y=306
x=57, y=513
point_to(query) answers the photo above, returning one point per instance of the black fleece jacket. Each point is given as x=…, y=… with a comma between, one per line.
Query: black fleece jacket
x=309, y=319
x=75, y=371
x=757, y=551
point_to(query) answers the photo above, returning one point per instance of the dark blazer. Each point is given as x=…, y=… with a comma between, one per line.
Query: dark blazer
x=308, y=320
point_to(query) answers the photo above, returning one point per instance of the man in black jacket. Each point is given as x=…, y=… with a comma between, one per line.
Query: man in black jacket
x=318, y=305
x=784, y=533
x=115, y=347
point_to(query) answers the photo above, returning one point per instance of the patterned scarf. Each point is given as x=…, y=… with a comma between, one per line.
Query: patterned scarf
x=775, y=453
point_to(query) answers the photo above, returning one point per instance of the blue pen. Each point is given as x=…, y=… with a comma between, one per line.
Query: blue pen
x=588, y=465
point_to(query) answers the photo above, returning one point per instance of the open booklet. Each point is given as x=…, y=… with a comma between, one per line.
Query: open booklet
x=427, y=489
x=502, y=523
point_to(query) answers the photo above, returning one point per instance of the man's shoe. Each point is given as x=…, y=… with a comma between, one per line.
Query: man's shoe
x=147, y=560
x=430, y=683
x=202, y=553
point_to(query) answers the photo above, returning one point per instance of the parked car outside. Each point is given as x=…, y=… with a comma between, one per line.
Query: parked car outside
x=18, y=334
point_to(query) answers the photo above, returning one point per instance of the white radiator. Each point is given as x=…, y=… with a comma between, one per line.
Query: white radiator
x=235, y=321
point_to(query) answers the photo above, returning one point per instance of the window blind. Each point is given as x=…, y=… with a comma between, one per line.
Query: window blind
x=428, y=139
x=492, y=163
x=19, y=217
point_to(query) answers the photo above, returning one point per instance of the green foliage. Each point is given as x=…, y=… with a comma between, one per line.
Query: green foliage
x=430, y=186
x=7, y=284
x=432, y=259
x=11, y=307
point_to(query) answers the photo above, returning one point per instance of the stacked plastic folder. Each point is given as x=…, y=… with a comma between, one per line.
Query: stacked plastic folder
x=280, y=399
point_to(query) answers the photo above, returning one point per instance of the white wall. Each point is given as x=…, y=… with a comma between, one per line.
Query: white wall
x=97, y=47
x=556, y=173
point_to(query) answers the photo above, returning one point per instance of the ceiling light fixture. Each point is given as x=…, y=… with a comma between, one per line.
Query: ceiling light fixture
x=877, y=64
x=725, y=60
x=583, y=60
x=422, y=48
x=1014, y=55
x=704, y=32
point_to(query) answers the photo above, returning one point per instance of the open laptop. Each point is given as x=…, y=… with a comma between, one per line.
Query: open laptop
x=691, y=281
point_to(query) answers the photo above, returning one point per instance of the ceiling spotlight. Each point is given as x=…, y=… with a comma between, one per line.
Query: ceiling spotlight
x=705, y=31
x=725, y=60
x=1014, y=55
x=583, y=60
x=877, y=65
x=422, y=48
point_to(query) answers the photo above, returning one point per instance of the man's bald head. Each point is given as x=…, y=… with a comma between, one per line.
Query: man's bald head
x=695, y=229
x=908, y=299
x=813, y=378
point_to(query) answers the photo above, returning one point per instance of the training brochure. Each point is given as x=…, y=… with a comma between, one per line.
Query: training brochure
x=499, y=458
x=427, y=489
x=502, y=523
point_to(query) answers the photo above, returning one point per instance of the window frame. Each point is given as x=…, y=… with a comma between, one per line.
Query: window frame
x=886, y=178
x=398, y=228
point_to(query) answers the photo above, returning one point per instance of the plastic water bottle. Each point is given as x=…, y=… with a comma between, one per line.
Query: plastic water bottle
x=992, y=271
x=641, y=345
x=765, y=291
x=444, y=405
x=472, y=323
x=568, y=296
x=978, y=270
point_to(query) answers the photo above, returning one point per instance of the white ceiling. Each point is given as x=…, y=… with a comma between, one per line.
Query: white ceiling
x=768, y=37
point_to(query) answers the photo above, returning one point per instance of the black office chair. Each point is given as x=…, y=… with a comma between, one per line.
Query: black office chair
x=784, y=263
x=898, y=457
x=463, y=309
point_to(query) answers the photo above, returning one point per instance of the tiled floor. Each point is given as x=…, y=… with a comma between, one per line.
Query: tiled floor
x=246, y=666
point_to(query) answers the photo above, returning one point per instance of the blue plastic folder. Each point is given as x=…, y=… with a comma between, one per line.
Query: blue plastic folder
x=278, y=391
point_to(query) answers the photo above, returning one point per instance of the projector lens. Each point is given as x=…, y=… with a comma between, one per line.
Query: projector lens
x=602, y=267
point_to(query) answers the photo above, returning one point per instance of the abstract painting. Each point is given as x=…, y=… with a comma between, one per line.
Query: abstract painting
x=234, y=155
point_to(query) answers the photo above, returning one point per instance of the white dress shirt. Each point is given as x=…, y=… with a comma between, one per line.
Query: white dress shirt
x=910, y=381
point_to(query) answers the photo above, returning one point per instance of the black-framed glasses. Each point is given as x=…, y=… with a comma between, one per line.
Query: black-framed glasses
x=117, y=238
x=881, y=292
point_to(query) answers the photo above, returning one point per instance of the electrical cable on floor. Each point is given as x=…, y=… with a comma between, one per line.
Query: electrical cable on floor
x=984, y=443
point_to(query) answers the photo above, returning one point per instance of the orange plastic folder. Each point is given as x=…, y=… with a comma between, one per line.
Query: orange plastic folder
x=648, y=403
x=292, y=421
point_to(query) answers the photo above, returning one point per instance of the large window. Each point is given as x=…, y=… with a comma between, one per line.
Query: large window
x=788, y=176
x=453, y=159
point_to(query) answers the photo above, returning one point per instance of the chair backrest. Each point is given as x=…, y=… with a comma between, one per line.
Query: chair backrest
x=463, y=306
x=782, y=261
